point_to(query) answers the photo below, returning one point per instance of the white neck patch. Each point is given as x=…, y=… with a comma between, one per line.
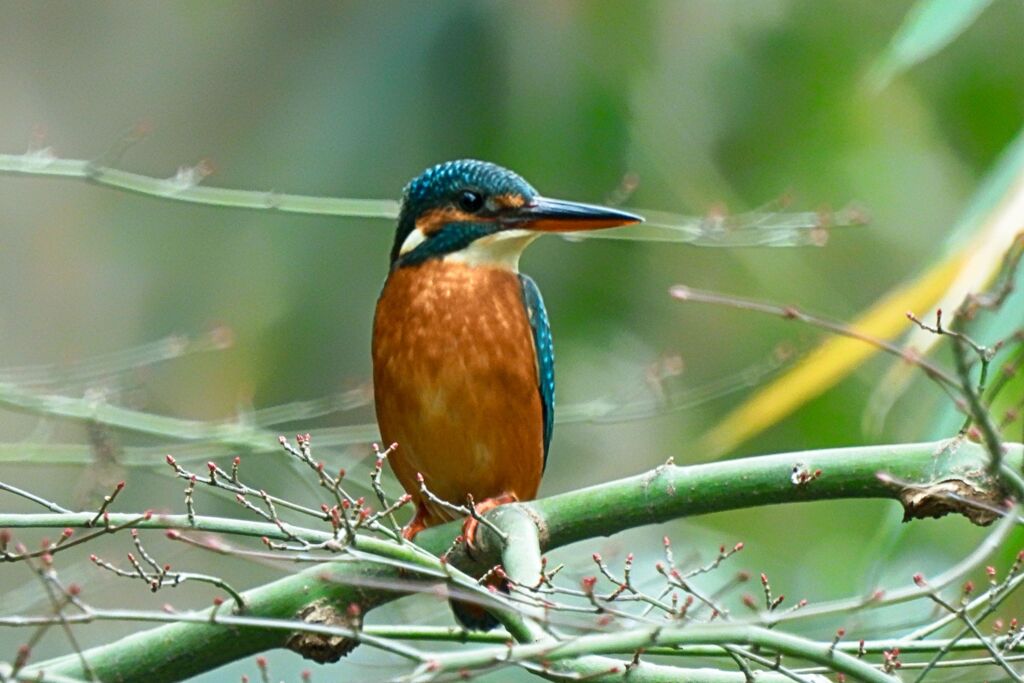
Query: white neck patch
x=500, y=250
x=412, y=240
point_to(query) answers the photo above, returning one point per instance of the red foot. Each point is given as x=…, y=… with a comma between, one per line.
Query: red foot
x=417, y=524
x=469, y=527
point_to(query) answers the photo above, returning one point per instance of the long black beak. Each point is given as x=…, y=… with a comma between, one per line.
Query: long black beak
x=555, y=215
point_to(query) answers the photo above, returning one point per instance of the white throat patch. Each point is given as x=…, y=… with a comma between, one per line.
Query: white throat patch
x=501, y=250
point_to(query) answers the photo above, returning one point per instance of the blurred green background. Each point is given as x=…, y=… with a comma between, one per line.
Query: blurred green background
x=708, y=104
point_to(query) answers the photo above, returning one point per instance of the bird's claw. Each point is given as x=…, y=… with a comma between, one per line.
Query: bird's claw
x=416, y=525
x=471, y=525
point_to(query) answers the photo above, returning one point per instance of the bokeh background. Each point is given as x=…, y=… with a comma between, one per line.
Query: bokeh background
x=707, y=106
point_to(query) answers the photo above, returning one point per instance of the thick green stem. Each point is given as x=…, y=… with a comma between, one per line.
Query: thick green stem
x=927, y=478
x=671, y=492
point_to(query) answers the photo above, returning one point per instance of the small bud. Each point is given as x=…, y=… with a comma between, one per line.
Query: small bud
x=919, y=580
x=173, y=534
x=170, y=460
x=120, y=485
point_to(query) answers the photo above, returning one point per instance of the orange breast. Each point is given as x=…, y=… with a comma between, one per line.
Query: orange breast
x=455, y=381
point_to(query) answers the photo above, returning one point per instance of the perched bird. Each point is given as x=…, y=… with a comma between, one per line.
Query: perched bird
x=463, y=364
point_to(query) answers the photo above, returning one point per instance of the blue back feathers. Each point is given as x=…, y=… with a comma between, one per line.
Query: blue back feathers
x=545, y=348
x=439, y=186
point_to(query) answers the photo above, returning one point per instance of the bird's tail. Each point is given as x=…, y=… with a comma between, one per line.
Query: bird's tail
x=474, y=616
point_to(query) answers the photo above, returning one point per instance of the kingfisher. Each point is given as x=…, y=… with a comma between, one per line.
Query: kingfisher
x=463, y=361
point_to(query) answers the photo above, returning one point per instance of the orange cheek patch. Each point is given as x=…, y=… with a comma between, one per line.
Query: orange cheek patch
x=510, y=201
x=433, y=220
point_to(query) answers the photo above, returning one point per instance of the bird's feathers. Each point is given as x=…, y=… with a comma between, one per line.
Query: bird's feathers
x=545, y=349
x=456, y=379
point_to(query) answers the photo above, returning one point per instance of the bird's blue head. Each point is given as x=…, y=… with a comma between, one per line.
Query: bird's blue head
x=481, y=212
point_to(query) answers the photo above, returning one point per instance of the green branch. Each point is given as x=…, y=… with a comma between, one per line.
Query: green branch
x=638, y=639
x=901, y=472
x=927, y=479
x=42, y=164
x=752, y=229
x=521, y=560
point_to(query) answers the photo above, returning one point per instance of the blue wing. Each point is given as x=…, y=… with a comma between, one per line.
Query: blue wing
x=538, y=317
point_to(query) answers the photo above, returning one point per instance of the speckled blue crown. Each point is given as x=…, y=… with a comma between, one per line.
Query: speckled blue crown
x=442, y=181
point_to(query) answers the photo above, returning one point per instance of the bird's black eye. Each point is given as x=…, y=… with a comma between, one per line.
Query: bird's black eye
x=470, y=201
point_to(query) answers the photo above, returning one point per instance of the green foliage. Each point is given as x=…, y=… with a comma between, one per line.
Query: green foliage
x=929, y=26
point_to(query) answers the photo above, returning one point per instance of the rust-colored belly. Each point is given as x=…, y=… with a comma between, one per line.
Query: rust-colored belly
x=455, y=381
